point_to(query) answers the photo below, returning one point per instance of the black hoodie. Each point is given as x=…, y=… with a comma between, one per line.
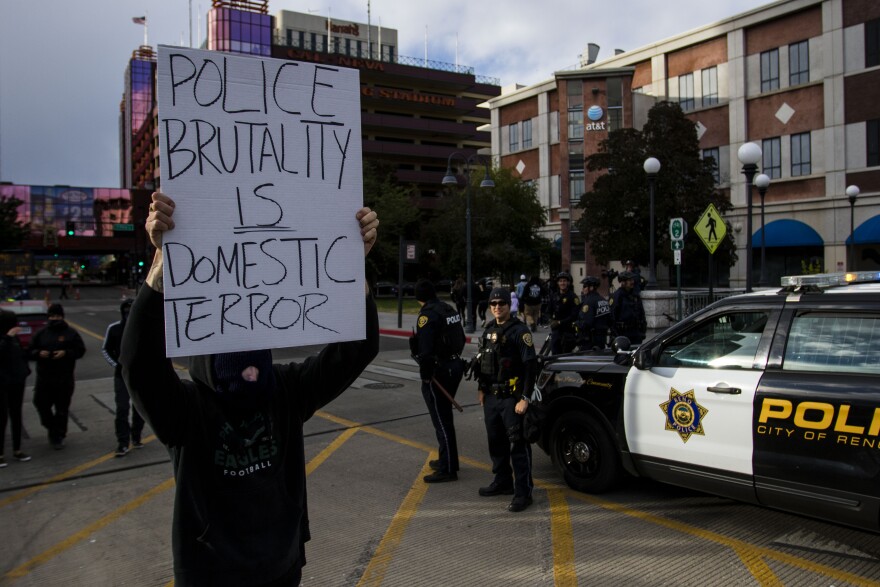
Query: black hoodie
x=240, y=515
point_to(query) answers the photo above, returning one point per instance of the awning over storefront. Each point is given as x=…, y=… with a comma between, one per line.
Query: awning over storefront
x=868, y=232
x=788, y=233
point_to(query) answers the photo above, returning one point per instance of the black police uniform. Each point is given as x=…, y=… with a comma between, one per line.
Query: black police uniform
x=437, y=360
x=628, y=315
x=508, y=368
x=593, y=321
x=563, y=311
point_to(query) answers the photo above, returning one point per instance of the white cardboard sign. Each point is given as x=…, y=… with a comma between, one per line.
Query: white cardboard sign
x=263, y=160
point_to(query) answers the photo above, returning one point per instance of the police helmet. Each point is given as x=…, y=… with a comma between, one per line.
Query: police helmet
x=624, y=275
x=564, y=275
x=590, y=281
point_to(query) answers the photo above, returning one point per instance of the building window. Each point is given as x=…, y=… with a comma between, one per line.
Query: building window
x=873, y=140
x=770, y=70
x=575, y=185
x=798, y=63
x=714, y=155
x=686, y=92
x=527, y=134
x=872, y=43
x=514, y=137
x=772, y=164
x=576, y=123
x=710, y=86
x=614, y=91
x=800, y=154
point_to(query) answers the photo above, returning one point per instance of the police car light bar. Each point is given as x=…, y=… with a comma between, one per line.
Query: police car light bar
x=830, y=279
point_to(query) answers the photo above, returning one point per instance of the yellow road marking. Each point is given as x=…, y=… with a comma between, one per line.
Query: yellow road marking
x=562, y=538
x=759, y=569
x=374, y=574
x=62, y=476
x=54, y=551
x=331, y=448
x=739, y=546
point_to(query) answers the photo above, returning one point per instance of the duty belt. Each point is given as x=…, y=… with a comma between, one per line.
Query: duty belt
x=501, y=390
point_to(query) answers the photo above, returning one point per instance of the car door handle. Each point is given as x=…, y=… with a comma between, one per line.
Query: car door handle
x=725, y=389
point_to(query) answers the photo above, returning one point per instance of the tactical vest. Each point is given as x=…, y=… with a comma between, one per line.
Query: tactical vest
x=495, y=367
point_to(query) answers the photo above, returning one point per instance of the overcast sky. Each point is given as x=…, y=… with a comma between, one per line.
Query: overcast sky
x=62, y=61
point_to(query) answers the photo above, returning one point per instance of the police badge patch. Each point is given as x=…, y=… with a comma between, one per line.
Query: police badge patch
x=527, y=338
x=422, y=321
x=683, y=414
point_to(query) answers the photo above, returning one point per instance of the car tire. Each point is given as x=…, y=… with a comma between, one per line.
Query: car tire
x=584, y=452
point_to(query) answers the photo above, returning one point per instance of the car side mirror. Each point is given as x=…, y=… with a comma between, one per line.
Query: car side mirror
x=643, y=359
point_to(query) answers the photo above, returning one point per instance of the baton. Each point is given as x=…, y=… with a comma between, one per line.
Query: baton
x=447, y=394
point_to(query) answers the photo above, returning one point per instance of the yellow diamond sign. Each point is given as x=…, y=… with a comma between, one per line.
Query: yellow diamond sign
x=711, y=228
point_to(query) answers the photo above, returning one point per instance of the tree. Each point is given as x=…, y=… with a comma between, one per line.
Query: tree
x=504, y=229
x=616, y=217
x=13, y=232
x=397, y=216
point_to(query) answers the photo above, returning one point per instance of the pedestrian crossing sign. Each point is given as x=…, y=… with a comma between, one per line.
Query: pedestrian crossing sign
x=711, y=228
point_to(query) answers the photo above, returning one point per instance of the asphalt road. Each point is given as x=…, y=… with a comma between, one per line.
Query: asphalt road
x=82, y=517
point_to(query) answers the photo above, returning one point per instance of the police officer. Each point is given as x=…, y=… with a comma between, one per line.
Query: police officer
x=594, y=315
x=563, y=309
x=436, y=346
x=627, y=311
x=508, y=366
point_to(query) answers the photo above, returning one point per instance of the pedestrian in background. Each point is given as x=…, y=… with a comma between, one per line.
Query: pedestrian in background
x=436, y=347
x=14, y=371
x=514, y=304
x=532, y=298
x=55, y=348
x=126, y=434
x=521, y=286
x=459, y=296
x=482, y=294
x=628, y=313
x=508, y=367
x=638, y=280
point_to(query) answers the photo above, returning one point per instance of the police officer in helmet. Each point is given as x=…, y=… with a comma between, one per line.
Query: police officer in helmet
x=436, y=346
x=508, y=367
x=594, y=316
x=564, y=306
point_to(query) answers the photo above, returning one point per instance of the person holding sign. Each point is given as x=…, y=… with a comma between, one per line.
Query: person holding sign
x=235, y=434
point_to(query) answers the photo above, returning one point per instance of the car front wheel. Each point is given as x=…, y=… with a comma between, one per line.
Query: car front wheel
x=584, y=453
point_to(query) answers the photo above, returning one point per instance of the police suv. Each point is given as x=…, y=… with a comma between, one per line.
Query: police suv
x=771, y=398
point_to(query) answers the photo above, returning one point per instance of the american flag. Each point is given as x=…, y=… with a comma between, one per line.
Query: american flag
x=139, y=20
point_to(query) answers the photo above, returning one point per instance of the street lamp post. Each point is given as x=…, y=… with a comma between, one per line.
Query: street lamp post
x=652, y=167
x=749, y=154
x=762, y=182
x=451, y=179
x=852, y=192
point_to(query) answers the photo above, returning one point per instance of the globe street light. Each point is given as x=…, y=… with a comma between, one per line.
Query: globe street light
x=852, y=192
x=762, y=182
x=652, y=168
x=749, y=154
x=451, y=179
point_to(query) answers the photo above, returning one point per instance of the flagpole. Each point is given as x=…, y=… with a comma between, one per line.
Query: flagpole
x=146, y=20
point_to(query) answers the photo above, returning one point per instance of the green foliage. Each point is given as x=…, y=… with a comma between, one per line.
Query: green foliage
x=397, y=216
x=616, y=217
x=504, y=229
x=12, y=231
x=811, y=267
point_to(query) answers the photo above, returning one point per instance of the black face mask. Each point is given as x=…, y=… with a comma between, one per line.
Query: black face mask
x=228, y=369
x=57, y=324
